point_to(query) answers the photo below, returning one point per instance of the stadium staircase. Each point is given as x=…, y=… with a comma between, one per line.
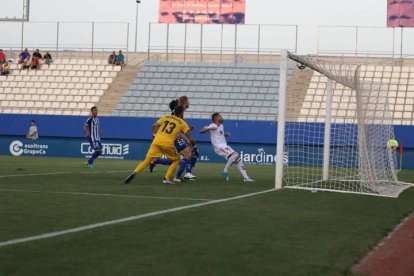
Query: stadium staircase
x=117, y=89
x=296, y=91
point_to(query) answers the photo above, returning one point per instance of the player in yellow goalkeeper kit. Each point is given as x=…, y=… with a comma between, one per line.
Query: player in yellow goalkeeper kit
x=166, y=129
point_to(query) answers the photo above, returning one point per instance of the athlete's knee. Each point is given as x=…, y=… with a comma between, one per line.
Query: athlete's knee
x=186, y=153
x=234, y=157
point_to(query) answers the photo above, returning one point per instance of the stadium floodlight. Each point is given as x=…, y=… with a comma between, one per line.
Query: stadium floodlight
x=340, y=145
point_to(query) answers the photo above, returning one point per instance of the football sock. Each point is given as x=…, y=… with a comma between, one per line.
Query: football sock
x=242, y=168
x=193, y=162
x=232, y=159
x=172, y=168
x=183, y=166
x=162, y=161
x=93, y=157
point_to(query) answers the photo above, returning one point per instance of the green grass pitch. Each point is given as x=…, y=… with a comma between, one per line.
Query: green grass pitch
x=285, y=232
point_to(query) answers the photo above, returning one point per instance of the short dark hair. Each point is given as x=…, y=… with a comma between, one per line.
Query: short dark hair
x=179, y=110
x=214, y=116
x=33, y=121
x=93, y=107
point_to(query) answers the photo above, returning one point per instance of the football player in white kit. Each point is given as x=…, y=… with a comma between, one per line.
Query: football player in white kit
x=218, y=140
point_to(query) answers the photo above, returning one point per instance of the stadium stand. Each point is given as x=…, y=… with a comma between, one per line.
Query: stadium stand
x=400, y=95
x=66, y=87
x=242, y=91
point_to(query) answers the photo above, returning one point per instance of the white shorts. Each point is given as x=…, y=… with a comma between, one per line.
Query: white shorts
x=224, y=151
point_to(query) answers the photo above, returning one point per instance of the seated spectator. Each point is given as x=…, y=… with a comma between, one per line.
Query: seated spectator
x=112, y=58
x=24, y=57
x=2, y=57
x=5, y=69
x=47, y=58
x=37, y=54
x=35, y=63
x=120, y=59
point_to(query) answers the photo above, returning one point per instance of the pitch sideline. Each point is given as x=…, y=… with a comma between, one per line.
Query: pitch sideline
x=127, y=219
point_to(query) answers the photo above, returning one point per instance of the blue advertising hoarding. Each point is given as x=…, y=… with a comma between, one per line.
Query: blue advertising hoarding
x=129, y=138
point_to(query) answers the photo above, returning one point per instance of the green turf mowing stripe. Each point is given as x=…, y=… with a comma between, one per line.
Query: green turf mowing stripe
x=122, y=220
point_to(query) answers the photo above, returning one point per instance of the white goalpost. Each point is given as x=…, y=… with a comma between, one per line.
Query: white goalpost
x=339, y=145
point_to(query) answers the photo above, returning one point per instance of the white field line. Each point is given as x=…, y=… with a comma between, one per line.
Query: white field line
x=56, y=173
x=127, y=219
x=107, y=195
x=33, y=174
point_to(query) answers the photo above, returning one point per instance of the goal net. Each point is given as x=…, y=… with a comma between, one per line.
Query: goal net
x=335, y=131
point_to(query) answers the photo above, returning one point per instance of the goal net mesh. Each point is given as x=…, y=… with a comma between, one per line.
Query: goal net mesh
x=360, y=124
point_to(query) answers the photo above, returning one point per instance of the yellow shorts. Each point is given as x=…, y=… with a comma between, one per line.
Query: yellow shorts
x=156, y=151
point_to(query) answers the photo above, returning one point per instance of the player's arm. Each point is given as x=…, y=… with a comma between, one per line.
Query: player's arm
x=207, y=129
x=227, y=134
x=86, y=130
x=155, y=128
x=34, y=132
x=190, y=138
x=30, y=134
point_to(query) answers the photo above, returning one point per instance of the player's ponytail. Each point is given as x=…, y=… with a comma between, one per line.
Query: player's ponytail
x=173, y=104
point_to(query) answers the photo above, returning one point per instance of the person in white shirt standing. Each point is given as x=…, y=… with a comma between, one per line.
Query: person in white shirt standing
x=218, y=140
x=33, y=134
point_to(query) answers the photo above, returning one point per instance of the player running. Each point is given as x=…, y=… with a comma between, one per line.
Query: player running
x=218, y=140
x=166, y=129
x=93, y=134
x=182, y=144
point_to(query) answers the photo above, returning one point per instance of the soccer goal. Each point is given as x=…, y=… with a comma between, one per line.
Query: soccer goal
x=334, y=132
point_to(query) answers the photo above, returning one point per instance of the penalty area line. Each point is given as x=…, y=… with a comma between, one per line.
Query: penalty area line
x=127, y=219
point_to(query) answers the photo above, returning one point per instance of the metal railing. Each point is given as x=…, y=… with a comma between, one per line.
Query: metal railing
x=231, y=42
x=65, y=37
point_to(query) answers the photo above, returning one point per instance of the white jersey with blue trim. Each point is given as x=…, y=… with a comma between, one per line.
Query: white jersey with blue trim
x=94, y=128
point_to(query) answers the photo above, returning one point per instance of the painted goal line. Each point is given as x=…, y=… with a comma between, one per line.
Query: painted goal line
x=106, y=195
x=127, y=219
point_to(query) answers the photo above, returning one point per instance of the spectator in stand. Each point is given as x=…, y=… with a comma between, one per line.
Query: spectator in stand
x=32, y=134
x=47, y=58
x=5, y=69
x=24, y=57
x=37, y=56
x=112, y=58
x=120, y=59
x=35, y=63
x=2, y=57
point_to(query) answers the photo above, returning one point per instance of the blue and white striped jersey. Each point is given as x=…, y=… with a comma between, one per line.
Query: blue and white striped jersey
x=94, y=128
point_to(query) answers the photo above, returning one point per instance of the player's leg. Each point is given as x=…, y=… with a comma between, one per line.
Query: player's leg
x=185, y=165
x=194, y=157
x=226, y=154
x=97, y=146
x=184, y=149
x=193, y=154
x=153, y=152
x=159, y=161
x=242, y=168
x=171, y=154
